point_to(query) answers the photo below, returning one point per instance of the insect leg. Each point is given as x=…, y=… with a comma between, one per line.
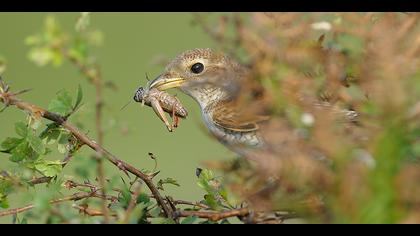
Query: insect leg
x=177, y=104
x=160, y=113
x=175, y=119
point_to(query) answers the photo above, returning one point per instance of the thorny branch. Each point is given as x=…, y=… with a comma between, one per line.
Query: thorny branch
x=74, y=197
x=9, y=99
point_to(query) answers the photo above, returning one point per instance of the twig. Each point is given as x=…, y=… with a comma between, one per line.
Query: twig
x=72, y=184
x=101, y=180
x=40, y=180
x=83, y=138
x=245, y=214
x=214, y=216
x=74, y=197
x=182, y=202
x=91, y=212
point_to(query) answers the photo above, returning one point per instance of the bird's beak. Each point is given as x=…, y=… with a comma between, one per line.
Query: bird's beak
x=163, y=82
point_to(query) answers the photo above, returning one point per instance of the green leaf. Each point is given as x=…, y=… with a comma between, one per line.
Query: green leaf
x=189, y=220
x=225, y=222
x=79, y=97
x=155, y=212
x=21, y=129
x=52, y=136
x=125, y=197
x=24, y=221
x=212, y=202
x=51, y=133
x=166, y=181
x=208, y=222
x=57, y=58
x=138, y=214
x=49, y=168
x=161, y=220
x=62, y=104
x=50, y=127
x=5, y=189
x=4, y=203
x=79, y=51
x=58, y=107
x=205, y=181
x=36, y=144
x=143, y=198
x=51, y=25
x=20, y=152
x=10, y=143
x=63, y=140
x=64, y=97
x=223, y=192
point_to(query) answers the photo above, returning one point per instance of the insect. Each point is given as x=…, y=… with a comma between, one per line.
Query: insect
x=162, y=102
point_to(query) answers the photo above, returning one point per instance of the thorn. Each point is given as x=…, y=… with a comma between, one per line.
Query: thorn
x=125, y=105
x=22, y=91
x=122, y=179
x=121, y=167
x=154, y=174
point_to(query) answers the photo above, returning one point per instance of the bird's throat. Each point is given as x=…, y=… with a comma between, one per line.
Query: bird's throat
x=206, y=97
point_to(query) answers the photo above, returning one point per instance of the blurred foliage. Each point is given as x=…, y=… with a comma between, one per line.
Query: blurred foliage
x=365, y=171
x=330, y=171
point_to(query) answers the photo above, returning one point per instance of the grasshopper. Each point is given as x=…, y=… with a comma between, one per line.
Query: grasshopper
x=162, y=102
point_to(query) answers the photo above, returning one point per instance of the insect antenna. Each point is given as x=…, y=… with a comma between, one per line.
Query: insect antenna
x=123, y=107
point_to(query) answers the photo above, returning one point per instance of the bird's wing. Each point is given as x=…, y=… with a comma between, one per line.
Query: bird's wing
x=231, y=116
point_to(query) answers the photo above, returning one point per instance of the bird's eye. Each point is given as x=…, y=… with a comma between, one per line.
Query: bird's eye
x=197, y=68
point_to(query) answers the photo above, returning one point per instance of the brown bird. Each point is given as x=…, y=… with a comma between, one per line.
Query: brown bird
x=233, y=106
x=216, y=82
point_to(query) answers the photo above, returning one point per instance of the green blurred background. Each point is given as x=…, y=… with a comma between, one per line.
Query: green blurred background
x=132, y=41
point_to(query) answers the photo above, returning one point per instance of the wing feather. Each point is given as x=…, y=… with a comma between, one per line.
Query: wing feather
x=230, y=116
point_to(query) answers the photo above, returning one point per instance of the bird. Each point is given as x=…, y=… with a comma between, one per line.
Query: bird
x=236, y=110
x=215, y=81
x=234, y=107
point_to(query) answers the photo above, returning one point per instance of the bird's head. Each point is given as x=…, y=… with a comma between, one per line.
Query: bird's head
x=203, y=74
